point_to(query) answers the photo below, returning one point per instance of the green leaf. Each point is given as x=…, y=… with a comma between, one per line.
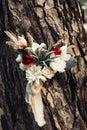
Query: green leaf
x=33, y=53
x=34, y=56
x=48, y=55
x=40, y=55
x=39, y=52
x=70, y=63
x=49, y=60
x=54, y=57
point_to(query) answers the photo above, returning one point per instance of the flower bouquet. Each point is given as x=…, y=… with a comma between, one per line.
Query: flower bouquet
x=40, y=64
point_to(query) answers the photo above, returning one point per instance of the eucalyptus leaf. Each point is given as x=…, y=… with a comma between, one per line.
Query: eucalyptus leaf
x=34, y=56
x=55, y=57
x=40, y=52
x=49, y=60
x=70, y=63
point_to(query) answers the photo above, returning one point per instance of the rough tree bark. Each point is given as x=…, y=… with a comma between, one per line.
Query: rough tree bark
x=65, y=96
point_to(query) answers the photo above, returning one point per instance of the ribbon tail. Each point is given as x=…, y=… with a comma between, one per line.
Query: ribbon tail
x=28, y=92
x=37, y=108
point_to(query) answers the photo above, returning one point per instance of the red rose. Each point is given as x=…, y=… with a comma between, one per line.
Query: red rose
x=27, y=59
x=56, y=51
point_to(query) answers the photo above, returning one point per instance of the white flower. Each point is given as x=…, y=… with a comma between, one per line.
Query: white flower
x=22, y=42
x=64, y=56
x=16, y=43
x=36, y=46
x=19, y=58
x=34, y=73
x=47, y=72
x=42, y=45
x=59, y=63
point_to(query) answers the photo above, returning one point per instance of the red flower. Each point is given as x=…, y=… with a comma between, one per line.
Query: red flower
x=56, y=51
x=27, y=59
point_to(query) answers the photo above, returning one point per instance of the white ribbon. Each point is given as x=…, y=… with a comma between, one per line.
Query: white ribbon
x=33, y=97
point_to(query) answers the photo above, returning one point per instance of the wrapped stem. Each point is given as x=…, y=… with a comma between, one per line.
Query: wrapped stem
x=33, y=97
x=37, y=108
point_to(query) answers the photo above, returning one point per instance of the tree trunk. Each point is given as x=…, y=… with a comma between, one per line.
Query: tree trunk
x=65, y=96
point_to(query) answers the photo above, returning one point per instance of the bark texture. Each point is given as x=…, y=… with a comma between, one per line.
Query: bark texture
x=65, y=96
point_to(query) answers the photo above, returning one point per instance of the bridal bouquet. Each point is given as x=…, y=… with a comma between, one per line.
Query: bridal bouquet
x=40, y=64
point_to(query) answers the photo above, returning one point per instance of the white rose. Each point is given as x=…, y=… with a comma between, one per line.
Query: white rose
x=47, y=72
